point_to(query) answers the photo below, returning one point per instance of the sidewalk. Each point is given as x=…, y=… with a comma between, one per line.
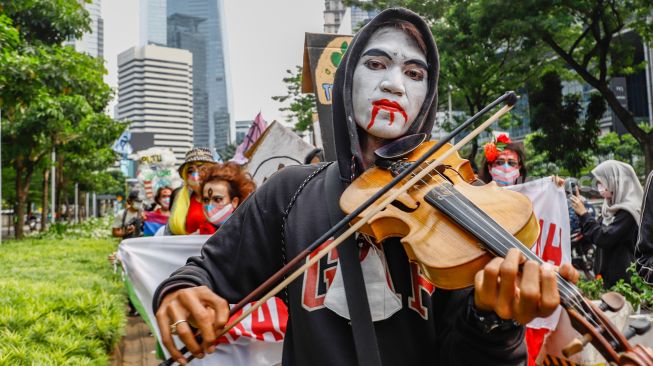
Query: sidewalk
x=137, y=346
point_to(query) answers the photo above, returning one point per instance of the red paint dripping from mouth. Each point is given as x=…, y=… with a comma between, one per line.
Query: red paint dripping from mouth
x=388, y=105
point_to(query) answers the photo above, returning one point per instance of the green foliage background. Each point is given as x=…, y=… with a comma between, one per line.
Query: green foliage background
x=638, y=293
x=61, y=303
x=301, y=107
x=51, y=98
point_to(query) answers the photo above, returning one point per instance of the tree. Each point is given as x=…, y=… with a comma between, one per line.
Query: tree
x=47, y=21
x=587, y=35
x=536, y=160
x=81, y=160
x=567, y=133
x=228, y=152
x=623, y=148
x=479, y=68
x=302, y=106
x=50, y=95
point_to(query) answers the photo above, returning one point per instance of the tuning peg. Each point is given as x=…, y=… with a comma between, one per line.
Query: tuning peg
x=612, y=301
x=576, y=345
x=637, y=327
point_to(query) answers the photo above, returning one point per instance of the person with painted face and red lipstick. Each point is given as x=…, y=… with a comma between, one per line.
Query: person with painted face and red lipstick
x=224, y=187
x=384, y=88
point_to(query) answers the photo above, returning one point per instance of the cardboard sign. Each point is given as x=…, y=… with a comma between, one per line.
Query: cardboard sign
x=278, y=147
x=157, y=167
x=322, y=56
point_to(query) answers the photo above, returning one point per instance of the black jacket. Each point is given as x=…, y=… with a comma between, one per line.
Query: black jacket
x=644, y=248
x=432, y=328
x=615, y=245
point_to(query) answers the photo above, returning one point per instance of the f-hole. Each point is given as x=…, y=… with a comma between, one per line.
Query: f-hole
x=400, y=205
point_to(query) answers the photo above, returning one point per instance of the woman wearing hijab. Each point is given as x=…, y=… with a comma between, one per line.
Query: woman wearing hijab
x=615, y=234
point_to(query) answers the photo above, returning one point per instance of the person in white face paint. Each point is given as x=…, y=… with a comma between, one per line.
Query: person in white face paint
x=128, y=222
x=385, y=88
x=390, y=84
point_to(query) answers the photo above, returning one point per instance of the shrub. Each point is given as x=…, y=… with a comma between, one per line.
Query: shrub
x=92, y=228
x=637, y=292
x=60, y=303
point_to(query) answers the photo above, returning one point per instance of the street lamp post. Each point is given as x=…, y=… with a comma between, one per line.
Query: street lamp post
x=53, y=177
x=449, y=88
x=76, y=203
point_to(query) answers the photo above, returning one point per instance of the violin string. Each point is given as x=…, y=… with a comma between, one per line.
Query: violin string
x=565, y=289
x=503, y=236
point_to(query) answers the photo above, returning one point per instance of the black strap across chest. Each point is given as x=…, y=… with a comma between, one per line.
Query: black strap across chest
x=367, y=349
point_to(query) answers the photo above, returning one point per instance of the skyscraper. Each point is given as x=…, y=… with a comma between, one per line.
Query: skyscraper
x=360, y=17
x=197, y=25
x=183, y=33
x=92, y=43
x=335, y=14
x=334, y=10
x=155, y=93
x=152, y=27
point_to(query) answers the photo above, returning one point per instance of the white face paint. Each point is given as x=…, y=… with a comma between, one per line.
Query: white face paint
x=390, y=84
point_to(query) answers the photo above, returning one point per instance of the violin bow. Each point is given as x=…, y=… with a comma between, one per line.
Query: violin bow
x=509, y=98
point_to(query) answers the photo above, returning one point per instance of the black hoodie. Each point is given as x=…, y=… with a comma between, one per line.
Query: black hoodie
x=644, y=247
x=433, y=327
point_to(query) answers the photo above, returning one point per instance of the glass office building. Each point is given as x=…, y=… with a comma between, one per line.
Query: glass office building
x=197, y=26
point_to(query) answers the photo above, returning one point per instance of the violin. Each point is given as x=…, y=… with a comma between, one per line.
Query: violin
x=452, y=228
x=469, y=224
x=448, y=255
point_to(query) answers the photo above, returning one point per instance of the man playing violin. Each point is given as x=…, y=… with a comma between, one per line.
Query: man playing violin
x=385, y=88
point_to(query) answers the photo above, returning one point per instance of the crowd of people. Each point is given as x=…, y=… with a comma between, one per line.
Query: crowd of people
x=211, y=191
x=386, y=88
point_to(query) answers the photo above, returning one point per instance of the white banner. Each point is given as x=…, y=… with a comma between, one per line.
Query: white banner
x=553, y=244
x=258, y=340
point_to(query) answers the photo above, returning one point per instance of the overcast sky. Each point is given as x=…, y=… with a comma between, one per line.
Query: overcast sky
x=264, y=38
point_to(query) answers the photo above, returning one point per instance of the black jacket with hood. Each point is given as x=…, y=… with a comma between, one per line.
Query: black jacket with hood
x=644, y=247
x=432, y=328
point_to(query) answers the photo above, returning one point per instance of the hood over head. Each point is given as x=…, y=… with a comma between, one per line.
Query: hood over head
x=627, y=193
x=346, y=132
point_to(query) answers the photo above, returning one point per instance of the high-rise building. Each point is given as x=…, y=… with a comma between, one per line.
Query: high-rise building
x=345, y=19
x=92, y=43
x=152, y=25
x=183, y=33
x=242, y=127
x=334, y=10
x=155, y=93
x=198, y=26
x=360, y=17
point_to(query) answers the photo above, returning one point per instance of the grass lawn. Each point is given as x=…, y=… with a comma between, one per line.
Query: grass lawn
x=60, y=302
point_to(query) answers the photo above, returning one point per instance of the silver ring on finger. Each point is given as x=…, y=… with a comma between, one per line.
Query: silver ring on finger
x=173, y=326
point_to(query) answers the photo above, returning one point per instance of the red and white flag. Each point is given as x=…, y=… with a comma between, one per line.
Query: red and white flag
x=255, y=131
x=256, y=341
